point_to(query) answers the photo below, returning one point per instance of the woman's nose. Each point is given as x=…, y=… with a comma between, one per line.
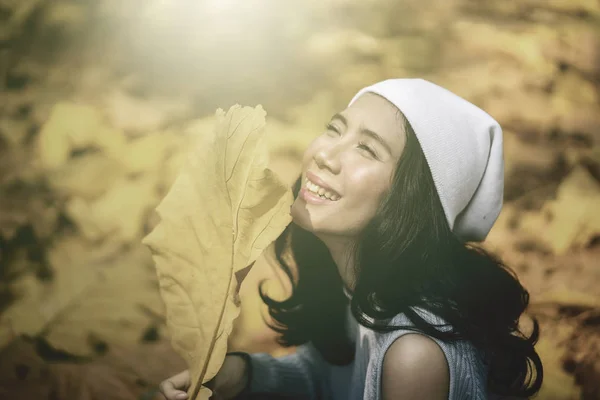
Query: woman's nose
x=328, y=158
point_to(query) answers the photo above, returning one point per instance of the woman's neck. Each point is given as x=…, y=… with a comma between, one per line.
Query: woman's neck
x=341, y=252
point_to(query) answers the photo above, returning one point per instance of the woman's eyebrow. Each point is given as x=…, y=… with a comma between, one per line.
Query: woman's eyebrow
x=365, y=131
x=378, y=138
x=340, y=117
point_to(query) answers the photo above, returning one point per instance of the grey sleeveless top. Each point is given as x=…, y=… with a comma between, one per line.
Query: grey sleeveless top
x=306, y=375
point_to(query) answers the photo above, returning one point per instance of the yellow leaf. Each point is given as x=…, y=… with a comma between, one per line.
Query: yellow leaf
x=96, y=291
x=571, y=220
x=87, y=176
x=119, y=213
x=40, y=302
x=564, y=296
x=75, y=127
x=223, y=210
x=147, y=153
x=552, y=346
x=115, y=309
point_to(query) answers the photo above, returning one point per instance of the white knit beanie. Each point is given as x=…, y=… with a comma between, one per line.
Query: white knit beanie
x=463, y=147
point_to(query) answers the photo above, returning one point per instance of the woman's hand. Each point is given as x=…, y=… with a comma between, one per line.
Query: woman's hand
x=175, y=387
x=227, y=384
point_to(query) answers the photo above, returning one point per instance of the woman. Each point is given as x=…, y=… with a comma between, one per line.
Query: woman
x=389, y=301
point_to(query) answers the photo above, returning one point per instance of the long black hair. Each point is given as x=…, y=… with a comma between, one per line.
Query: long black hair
x=408, y=257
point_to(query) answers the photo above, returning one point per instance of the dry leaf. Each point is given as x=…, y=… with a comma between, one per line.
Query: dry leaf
x=23, y=373
x=148, y=153
x=39, y=302
x=558, y=384
x=565, y=296
x=23, y=204
x=286, y=141
x=136, y=115
x=66, y=15
x=16, y=15
x=93, y=381
x=129, y=375
x=87, y=176
x=112, y=309
x=142, y=360
x=118, y=213
x=19, y=209
x=223, y=210
x=91, y=292
x=583, y=357
x=572, y=220
x=76, y=127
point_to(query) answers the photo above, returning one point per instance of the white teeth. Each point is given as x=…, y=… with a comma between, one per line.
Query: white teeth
x=323, y=193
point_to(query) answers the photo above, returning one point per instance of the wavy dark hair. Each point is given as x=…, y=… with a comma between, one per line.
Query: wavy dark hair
x=407, y=257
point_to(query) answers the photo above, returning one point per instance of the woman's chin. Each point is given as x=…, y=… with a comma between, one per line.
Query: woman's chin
x=301, y=216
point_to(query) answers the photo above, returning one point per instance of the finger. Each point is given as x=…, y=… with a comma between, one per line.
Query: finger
x=181, y=381
x=171, y=393
x=174, y=387
x=168, y=390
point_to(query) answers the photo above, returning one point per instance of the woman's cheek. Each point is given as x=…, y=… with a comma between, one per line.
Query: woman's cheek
x=309, y=152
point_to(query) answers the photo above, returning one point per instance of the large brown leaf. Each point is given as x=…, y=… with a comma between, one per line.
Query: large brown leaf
x=223, y=210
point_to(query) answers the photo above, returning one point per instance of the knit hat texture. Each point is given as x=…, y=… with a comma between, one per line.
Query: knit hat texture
x=463, y=147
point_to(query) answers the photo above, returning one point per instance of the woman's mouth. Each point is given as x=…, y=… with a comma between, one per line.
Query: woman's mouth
x=316, y=191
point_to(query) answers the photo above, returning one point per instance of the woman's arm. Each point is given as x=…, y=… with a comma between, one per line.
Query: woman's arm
x=300, y=375
x=415, y=367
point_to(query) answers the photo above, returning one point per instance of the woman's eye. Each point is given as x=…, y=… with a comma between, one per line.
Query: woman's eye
x=366, y=147
x=332, y=128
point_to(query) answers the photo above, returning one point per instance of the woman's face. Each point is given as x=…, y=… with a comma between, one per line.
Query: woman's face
x=351, y=163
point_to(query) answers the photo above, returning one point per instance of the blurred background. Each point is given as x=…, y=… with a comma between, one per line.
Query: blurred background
x=99, y=97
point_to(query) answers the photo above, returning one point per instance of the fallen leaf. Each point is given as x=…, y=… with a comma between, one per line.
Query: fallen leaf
x=136, y=115
x=39, y=302
x=583, y=357
x=571, y=220
x=147, y=153
x=552, y=347
x=118, y=213
x=127, y=373
x=16, y=15
x=93, y=381
x=67, y=16
x=88, y=176
x=75, y=127
x=151, y=362
x=111, y=311
x=23, y=373
x=80, y=270
x=564, y=296
x=24, y=204
x=223, y=210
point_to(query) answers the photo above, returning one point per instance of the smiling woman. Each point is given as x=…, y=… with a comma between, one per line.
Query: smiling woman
x=391, y=298
x=356, y=163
